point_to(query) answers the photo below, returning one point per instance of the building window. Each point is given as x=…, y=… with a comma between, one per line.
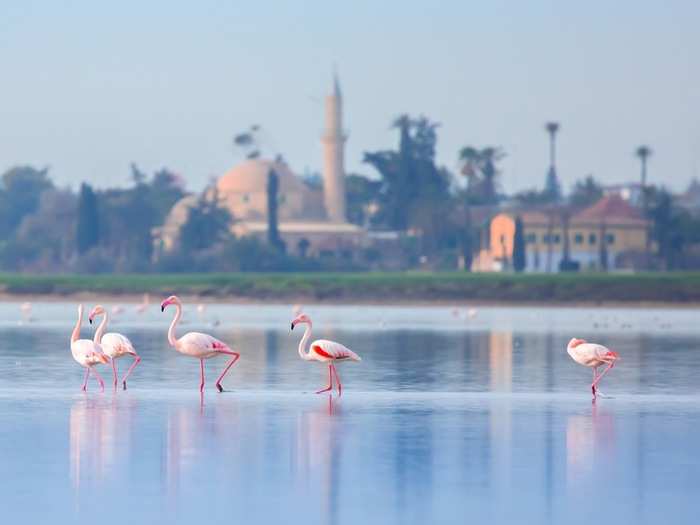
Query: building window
x=531, y=238
x=546, y=238
x=592, y=238
x=610, y=238
x=557, y=238
x=578, y=238
x=246, y=197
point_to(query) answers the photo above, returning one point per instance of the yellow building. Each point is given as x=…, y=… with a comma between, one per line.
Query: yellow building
x=610, y=230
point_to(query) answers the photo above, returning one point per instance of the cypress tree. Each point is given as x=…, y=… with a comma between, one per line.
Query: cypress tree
x=273, y=235
x=519, y=246
x=88, y=228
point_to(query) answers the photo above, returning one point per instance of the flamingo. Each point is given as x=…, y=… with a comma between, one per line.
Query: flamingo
x=114, y=345
x=117, y=309
x=324, y=351
x=592, y=355
x=195, y=344
x=26, y=310
x=141, y=308
x=87, y=353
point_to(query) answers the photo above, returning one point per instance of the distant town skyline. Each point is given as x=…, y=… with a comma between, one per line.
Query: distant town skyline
x=89, y=89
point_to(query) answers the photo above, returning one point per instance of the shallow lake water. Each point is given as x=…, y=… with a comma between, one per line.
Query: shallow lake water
x=453, y=416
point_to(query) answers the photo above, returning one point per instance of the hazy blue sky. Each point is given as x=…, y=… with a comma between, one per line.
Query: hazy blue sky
x=88, y=88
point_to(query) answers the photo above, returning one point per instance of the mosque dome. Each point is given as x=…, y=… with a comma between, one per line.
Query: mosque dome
x=175, y=220
x=251, y=176
x=180, y=212
x=243, y=190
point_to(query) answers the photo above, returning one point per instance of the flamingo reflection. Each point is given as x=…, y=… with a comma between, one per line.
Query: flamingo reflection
x=589, y=438
x=99, y=431
x=316, y=456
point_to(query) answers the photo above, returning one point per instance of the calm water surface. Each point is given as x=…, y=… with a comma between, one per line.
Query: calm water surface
x=449, y=418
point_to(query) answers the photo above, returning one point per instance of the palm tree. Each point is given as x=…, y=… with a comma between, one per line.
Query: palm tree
x=552, y=188
x=643, y=152
x=479, y=167
x=470, y=159
x=552, y=128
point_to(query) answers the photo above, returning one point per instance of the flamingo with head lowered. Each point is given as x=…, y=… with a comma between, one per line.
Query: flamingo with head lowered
x=195, y=344
x=87, y=353
x=114, y=345
x=323, y=351
x=592, y=355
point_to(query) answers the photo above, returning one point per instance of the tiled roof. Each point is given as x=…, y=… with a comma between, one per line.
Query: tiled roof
x=611, y=209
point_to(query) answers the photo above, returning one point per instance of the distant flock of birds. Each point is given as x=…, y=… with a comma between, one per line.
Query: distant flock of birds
x=106, y=348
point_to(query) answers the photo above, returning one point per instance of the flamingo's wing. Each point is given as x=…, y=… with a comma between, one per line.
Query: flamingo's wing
x=604, y=353
x=89, y=352
x=595, y=352
x=204, y=341
x=333, y=350
x=118, y=342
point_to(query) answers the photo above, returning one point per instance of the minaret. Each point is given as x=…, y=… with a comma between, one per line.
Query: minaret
x=333, y=140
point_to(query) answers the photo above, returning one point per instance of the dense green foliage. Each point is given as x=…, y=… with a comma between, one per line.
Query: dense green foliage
x=20, y=193
x=519, y=246
x=88, y=229
x=273, y=234
x=412, y=186
x=445, y=286
x=479, y=166
x=586, y=192
x=361, y=193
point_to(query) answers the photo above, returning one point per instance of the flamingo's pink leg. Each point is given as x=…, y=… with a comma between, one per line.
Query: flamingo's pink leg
x=595, y=383
x=236, y=356
x=137, y=360
x=99, y=378
x=330, y=380
x=337, y=378
x=87, y=375
x=201, y=368
x=595, y=376
x=114, y=371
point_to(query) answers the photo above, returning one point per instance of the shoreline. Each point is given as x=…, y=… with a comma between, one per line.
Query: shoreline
x=136, y=299
x=646, y=290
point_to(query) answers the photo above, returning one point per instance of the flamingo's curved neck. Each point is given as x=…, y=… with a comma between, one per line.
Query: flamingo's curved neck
x=171, y=331
x=76, y=331
x=305, y=341
x=101, y=329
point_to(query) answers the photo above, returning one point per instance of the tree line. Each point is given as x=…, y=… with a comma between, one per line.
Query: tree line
x=45, y=228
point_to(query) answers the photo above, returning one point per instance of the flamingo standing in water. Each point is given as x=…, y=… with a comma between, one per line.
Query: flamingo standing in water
x=87, y=353
x=324, y=351
x=195, y=344
x=593, y=356
x=141, y=308
x=114, y=345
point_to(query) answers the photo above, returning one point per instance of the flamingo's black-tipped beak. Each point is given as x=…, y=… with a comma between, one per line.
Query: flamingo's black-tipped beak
x=292, y=326
x=162, y=308
x=90, y=320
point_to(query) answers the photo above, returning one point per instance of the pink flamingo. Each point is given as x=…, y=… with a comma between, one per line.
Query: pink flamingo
x=141, y=308
x=324, y=351
x=592, y=355
x=87, y=353
x=195, y=344
x=114, y=345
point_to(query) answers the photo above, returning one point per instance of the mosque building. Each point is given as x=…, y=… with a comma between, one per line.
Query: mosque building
x=311, y=221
